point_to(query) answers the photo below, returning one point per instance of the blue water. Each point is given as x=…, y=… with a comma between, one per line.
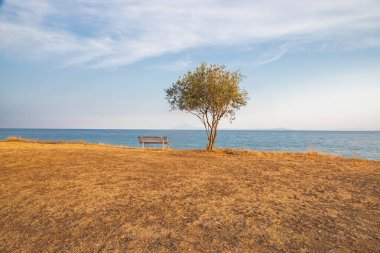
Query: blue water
x=349, y=144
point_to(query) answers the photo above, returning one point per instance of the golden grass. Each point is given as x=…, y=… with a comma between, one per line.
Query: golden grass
x=97, y=198
x=22, y=139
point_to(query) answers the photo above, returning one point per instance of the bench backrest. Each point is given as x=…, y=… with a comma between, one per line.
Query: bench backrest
x=153, y=139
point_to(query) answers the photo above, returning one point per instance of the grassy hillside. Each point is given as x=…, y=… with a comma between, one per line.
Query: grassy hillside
x=97, y=198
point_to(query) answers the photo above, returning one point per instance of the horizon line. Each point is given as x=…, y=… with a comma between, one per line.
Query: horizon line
x=197, y=129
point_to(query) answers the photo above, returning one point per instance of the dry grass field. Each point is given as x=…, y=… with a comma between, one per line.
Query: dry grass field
x=96, y=198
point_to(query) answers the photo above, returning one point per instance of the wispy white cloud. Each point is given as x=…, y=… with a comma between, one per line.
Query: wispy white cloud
x=273, y=55
x=175, y=65
x=115, y=32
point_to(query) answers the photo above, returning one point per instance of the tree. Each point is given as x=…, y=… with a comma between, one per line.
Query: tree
x=211, y=93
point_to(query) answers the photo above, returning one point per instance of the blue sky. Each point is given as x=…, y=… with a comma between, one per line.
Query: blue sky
x=104, y=64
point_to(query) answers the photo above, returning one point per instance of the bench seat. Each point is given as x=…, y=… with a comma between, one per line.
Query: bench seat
x=147, y=140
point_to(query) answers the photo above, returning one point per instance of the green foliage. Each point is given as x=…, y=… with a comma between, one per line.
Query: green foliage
x=210, y=92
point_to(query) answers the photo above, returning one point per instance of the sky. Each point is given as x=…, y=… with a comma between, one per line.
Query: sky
x=309, y=65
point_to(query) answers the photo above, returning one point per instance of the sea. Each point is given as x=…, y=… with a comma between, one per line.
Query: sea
x=357, y=144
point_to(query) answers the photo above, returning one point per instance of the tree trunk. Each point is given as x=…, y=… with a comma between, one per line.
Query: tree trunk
x=211, y=143
x=212, y=137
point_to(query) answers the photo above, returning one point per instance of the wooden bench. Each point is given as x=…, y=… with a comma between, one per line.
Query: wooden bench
x=147, y=140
